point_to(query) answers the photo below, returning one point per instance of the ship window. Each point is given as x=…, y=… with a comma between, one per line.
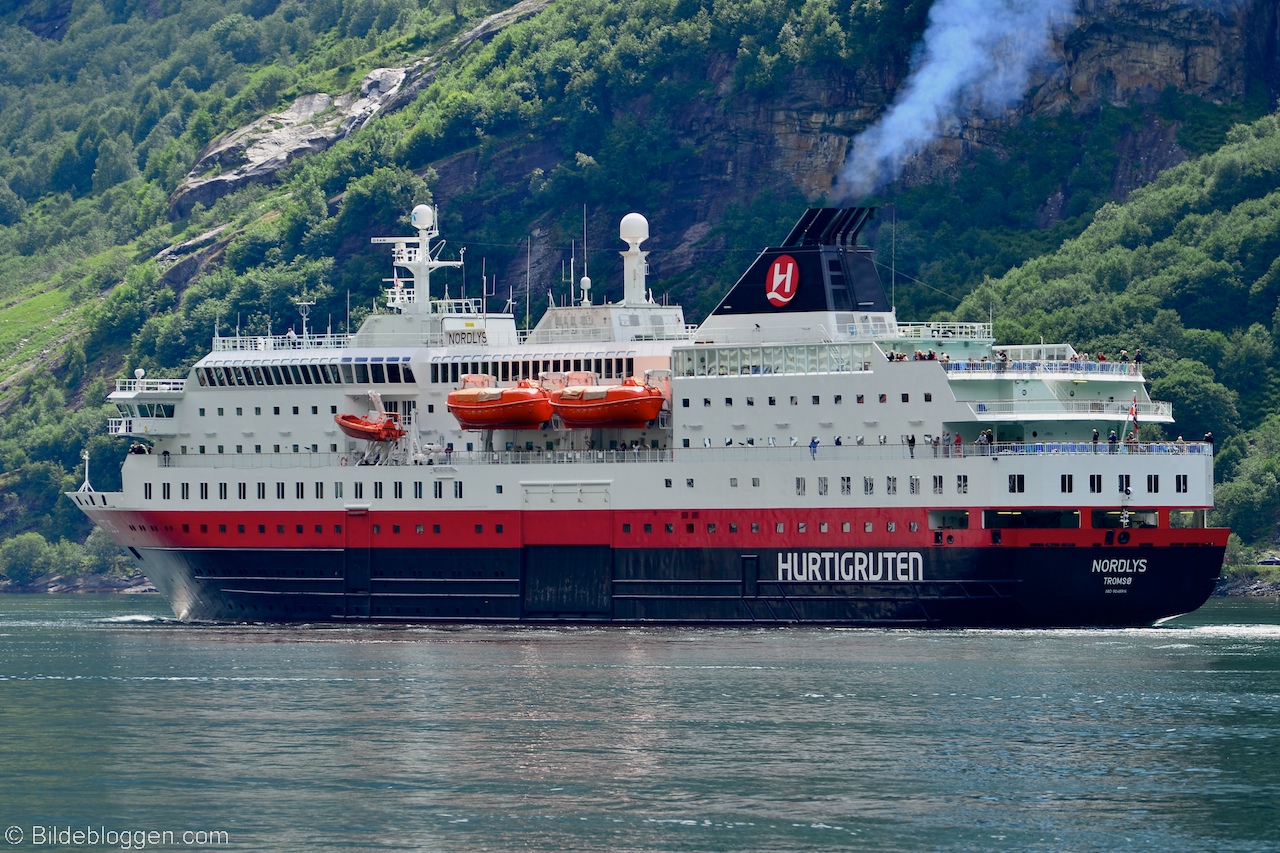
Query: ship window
x=1017, y=483
x=378, y=374
x=706, y=401
x=928, y=398
x=337, y=489
x=648, y=528
x=800, y=486
x=861, y=399
x=146, y=491
x=377, y=490
x=816, y=399
x=773, y=401
x=684, y=402
x=937, y=484
x=222, y=528
x=868, y=486
x=669, y=527
x=393, y=373
x=891, y=526
x=377, y=528
x=626, y=528
x=204, y=528
x=319, y=491
x=733, y=482
x=186, y=491
x=801, y=527
x=435, y=528
x=688, y=483
x=846, y=485
x=279, y=491
x=239, y=528
x=667, y=482
x=780, y=527
x=358, y=490
x=962, y=484
x=457, y=488
x=914, y=485
x=299, y=490
x=165, y=491
x=844, y=527
x=822, y=527
x=755, y=482
x=417, y=490
x=728, y=401
x=242, y=490
x=204, y=491
x=1066, y=482
x=795, y=401
x=418, y=529
x=884, y=398
x=1123, y=482
x=1095, y=483
x=890, y=485
x=1180, y=483
x=1153, y=483
x=362, y=374
x=437, y=489
x=755, y=527
x=868, y=527
x=688, y=528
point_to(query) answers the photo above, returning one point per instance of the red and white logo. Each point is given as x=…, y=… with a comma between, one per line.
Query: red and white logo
x=782, y=280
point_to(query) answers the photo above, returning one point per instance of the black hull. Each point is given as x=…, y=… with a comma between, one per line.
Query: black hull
x=940, y=588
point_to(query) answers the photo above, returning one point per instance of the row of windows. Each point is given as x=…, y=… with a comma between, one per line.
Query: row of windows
x=319, y=528
x=513, y=371
x=1017, y=483
x=779, y=527
x=361, y=371
x=814, y=399
x=846, y=484
x=300, y=490
x=257, y=410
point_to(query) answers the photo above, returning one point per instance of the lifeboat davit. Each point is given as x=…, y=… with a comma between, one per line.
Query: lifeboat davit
x=375, y=428
x=631, y=404
x=524, y=406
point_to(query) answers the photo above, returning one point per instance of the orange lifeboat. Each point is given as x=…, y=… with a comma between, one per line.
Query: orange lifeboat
x=386, y=428
x=631, y=404
x=524, y=406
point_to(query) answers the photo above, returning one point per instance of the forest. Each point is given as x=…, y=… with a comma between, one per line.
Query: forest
x=105, y=106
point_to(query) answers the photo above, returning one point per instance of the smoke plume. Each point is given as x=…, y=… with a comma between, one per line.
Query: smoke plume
x=976, y=58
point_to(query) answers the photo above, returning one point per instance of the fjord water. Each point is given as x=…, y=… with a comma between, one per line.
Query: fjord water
x=114, y=717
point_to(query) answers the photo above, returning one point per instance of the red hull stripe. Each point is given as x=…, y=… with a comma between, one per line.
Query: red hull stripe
x=808, y=529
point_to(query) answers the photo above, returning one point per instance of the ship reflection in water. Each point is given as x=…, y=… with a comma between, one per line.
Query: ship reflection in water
x=551, y=739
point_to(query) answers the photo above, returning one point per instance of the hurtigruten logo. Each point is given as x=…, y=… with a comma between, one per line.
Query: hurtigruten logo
x=850, y=566
x=782, y=280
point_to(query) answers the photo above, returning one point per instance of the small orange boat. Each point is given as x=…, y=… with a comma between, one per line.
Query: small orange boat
x=367, y=429
x=524, y=406
x=631, y=404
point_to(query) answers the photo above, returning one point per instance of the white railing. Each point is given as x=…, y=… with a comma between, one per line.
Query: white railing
x=272, y=343
x=1097, y=409
x=798, y=454
x=141, y=426
x=990, y=369
x=937, y=331
x=167, y=386
x=685, y=332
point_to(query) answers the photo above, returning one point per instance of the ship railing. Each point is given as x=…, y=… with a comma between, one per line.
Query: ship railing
x=167, y=386
x=142, y=427
x=940, y=331
x=606, y=334
x=799, y=454
x=1106, y=411
x=286, y=342
x=1076, y=369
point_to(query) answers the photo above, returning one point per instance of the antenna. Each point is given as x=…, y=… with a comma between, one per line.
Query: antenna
x=528, y=267
x=304, y=308
x=893, y=258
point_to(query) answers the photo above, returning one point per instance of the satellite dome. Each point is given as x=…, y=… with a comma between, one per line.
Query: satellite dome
x=634, y=229
x=423, y=217
x=139, y=373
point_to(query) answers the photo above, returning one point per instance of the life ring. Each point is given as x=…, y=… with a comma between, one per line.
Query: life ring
x=343, y=462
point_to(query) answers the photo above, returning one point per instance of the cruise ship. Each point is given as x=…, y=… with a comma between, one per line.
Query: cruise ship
x=799, y=458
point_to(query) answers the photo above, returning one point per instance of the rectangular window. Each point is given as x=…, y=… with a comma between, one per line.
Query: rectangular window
x=337, y=490
x=846, y=485
x=928, y=398
x=186, y=491
x=1017, y=483
x=1180, y=483
x=222, y=491
x=868, y=486
x=689, y=483
x=319, y=491
x=845, y=527
x=780, y=527
x=962, y=484
x=755, y=527
x=755, y=482
x=914, y=483
x=398, y=489
x=937, y=484
x=1123, y=483
x=1067, y=485
x=279, y=491
x=457, y=488
x=669, y=527
x=437, y=489
x=146, y=491
x=164, y=491
x=359, y=491
x=299, y=490
x=648, y=528
x=801, y=527
x=906, y=398
x=262, y=491
x=868, y=527
x=1095, y=484
x=800, y=486
x=377, y=491
x=242, y=490
x=204, y=491
x=1153, y=483
x=890, y=485
x=417, y=490
x=822, y=485
x=733, y=482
